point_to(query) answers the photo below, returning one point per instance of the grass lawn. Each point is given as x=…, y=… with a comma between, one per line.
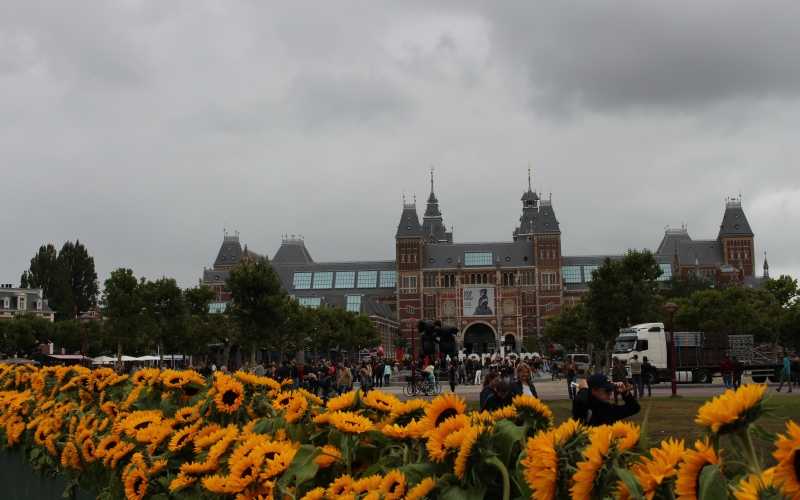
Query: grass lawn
x=675, y=417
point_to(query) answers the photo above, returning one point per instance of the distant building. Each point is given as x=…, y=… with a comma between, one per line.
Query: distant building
x=495, y=293
x=366, y=287
x=19, y=301
x=727, y=259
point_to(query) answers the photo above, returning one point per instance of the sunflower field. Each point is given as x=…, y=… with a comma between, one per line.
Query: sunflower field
x=175, y=434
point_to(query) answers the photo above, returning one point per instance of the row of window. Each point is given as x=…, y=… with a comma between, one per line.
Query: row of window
x=343, y=279
x=583, y=274
x=352, y=302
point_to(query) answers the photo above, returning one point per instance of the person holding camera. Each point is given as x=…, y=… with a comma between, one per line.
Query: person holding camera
x=592, y=405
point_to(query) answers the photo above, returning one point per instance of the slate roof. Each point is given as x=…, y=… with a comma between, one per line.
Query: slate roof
x=671, y=239
x=705, y=253
x=292, y=251
x=734, y=222
x=409, y=226
x=510, y=254
x=212, y=276
x=230, y=252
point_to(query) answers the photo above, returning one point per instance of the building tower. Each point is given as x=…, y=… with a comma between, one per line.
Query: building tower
x=539, y=225
x=766, y=267
x=736, y=238
x=410, y=252
x=432, y=222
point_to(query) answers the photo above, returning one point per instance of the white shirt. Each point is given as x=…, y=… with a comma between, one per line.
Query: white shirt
x=526, y=390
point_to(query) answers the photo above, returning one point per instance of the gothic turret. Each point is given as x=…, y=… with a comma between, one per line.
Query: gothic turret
x=537, y=216
x=432, y=222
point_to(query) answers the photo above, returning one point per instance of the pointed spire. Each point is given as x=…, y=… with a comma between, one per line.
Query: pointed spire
x=766, y=266
x=529, y=178
x=431, y=179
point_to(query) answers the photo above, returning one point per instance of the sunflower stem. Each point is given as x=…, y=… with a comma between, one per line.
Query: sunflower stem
x=747, y=439
x=497, y=464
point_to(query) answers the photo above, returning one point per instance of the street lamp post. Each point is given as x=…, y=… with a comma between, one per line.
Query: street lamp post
x=670, y=308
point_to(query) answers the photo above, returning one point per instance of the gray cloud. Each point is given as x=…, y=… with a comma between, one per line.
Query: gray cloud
x=144, y=128
x=679, y=55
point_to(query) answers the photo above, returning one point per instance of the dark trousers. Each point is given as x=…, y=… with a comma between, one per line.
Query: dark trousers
x=571, y=389
x=637, y=384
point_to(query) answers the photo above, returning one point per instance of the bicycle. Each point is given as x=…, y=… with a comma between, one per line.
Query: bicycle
x=422, y=386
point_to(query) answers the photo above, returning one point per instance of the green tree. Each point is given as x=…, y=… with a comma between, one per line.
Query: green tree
x=573, y=327
x=43, y=271
x=122, y=307
x=21, y=335
x=784, y=289
x=78, y=279
x=165, y=313
x=257, y=302
x=731, y=310
x=67, y=277
x=197, y=299
x=683, y=286
x=622, y=293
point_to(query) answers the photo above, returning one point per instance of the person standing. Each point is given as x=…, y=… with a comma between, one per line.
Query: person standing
x=452, y=375
x=648, y=375
x=524, y=383
x=572, y=373
x=786, y=372
x=618, y=375
x=387, y=373
x=592, y=405
x=726, y=368
x=636, y=375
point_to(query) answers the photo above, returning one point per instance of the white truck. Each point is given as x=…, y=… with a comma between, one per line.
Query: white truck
x=699, y=356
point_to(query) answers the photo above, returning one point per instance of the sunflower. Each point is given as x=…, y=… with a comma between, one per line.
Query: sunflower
x=651, y=473
x=87, y=450
x=181, y=481
x=146, y=376
x=328, y=456
x=135, y=484
x=315, y=494
x=310, y=396
x=350, y=423
x=258, y=381
x=393, y=485
x=367, y=483
x=540, y=464
x=757, y=486
x=343, y=402
x=504, y=413
x=182, y=437
x=395, y=431
x=532, y=407
x=107, y=445
x=626, y=434
x=297, y=407
x=443, y=407
x=422, y=489
x=466, y=451
x=732, y=410
x=278, y=455
x=229, y=394
x=70, y=459
x=138, y=421
x=436, y=445
x=694, y=460
x=787, y=454
x=381, y=401
x=340, y=486
x=224, y=484
x=187, y=415
x=409, y=410
x=594, y=458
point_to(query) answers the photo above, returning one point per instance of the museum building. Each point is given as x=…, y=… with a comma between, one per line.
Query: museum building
x=496, y=294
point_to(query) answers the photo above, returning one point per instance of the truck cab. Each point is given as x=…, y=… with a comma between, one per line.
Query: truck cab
x=645, y=340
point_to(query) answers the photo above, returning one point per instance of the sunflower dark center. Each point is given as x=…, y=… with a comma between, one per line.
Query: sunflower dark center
x=111, y=445
x=269, y=455
x=450, y=412
x=175, y=380
x=797, y=465
x=229, y=397
x=190, y=391
x=247, y=471
x=141, y=425
x=137, y=483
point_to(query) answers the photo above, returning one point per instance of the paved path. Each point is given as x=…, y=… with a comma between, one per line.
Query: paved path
x=554, y=390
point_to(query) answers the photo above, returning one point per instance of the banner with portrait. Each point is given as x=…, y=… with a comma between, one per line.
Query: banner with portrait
x=478, y=300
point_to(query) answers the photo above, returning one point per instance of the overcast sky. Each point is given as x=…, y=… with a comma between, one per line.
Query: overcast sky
x=145, y=128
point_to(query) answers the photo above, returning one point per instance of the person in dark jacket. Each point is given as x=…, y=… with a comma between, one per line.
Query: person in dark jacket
x=501, y=395
x=487, y=390
x=524, y=383
x=592, y=405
